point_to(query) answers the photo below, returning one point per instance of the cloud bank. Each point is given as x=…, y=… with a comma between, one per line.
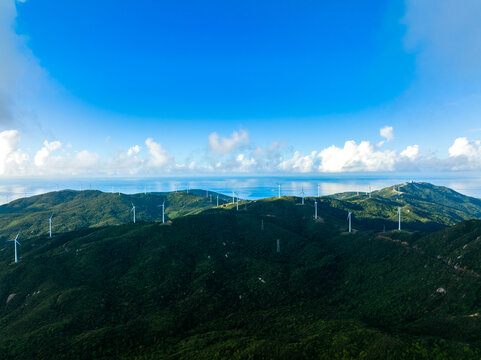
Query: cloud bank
x=237, y=156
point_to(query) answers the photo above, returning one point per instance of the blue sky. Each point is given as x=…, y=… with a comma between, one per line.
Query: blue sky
x=157, y=88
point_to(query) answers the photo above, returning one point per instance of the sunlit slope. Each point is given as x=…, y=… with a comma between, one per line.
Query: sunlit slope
x=212, y=285
x=77, y=209
x=423, y=206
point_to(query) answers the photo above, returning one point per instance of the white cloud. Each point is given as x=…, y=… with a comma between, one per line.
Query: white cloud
x=299, y=163
x=411, y=152
x=465, y=154
x=387, y=132
x=158, y=156
x=42, y=155
x=133, y=150
x=85, y=160
x=225, y=145
x=11, y=158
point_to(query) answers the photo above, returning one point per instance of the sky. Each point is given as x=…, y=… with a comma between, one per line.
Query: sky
x=162, y=88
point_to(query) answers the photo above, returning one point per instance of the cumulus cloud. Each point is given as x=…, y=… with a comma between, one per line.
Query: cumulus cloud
x=354, y=157
x=42, y=155
x=158, y=156
x=411, y=152
x=224, y=145
x=465, y=154
x=387, y=132
x=11, y=158
x=360, y=157
x=299, y=163
x=133, y=150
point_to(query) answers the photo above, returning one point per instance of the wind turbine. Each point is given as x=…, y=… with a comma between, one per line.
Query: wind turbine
x=349, y=216
x=163, y=212
x=369, y=191
x=233, y=198
x=237, y=206
x=399, y=217
x=210, y=197
x=15, y=242
x=302, y=195
x=217, y=199
x=50, y=224
x=133, y=210
x=315, y=210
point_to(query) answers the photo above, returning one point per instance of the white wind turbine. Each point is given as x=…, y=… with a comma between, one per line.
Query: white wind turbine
x=349, y=216
x=163, y=212
x=233, y=198
x=15, y=242
x=133, y=210
x=237, y=204
x=302, y=195
x=315, y=210
x=399, y=217
x=50, y=224
x=217, y=199
x=279, y=190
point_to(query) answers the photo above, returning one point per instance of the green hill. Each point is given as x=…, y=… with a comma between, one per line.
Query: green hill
x=213, y=286
x=424, y=207
x=77, y=209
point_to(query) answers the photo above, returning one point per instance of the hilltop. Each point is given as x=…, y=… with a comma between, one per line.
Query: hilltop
x=90, y=208
x=425, y=207
x=212, y=285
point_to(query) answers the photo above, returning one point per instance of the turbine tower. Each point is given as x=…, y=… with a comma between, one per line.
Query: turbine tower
x=349, y=216
x=217, y=199
x=237, y=204
x=399, y=217
x=133, y=210
x=302, y=195
x=315, y=210
x=15, y=242
x=50, y=224
x=233, y=198
x=163, y=212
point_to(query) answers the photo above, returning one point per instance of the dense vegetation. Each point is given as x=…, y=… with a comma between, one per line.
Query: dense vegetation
x=213, y=286
x=77, y=209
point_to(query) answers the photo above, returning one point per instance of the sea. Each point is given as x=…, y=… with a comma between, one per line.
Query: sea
x=247, y=187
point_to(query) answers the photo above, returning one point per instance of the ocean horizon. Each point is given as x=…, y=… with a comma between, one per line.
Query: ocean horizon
x=248, y=187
